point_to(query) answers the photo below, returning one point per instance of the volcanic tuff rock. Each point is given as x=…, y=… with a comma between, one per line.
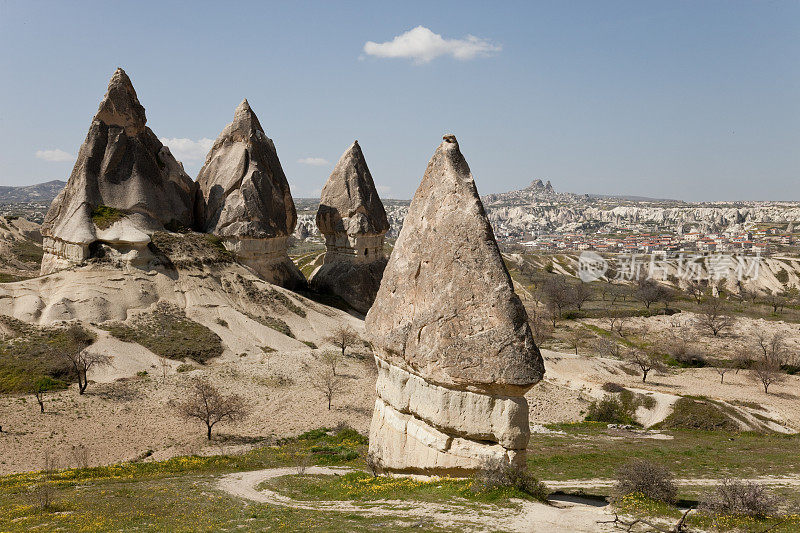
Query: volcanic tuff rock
x=454, y=350
x=124, y=171
x=352, y=219
x=246, y=199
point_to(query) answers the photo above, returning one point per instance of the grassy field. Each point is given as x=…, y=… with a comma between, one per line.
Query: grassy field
x=591, y=450
x=180, y=494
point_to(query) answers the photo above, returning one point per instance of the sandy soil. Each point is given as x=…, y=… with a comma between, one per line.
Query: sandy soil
x=123, y=417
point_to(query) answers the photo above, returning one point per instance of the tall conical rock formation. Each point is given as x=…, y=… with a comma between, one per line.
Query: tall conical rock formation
x=246, y=199
x=452, y=343
x=124, y=186
x=352, y=219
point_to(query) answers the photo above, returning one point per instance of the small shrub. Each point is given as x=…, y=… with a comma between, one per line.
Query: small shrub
x=735, y=497
x=618, y=407
x=185, y=367
x=613, y=387
x=221, y=322
x=497, y=474
x=267, y=349
x=141, y=374
x=310, y=344
x=271, y=322
x=650, y=479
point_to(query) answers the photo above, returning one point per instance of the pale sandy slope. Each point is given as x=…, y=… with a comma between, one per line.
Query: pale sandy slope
x=120, y=420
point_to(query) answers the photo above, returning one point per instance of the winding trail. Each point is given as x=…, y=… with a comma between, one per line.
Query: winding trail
x=526, y=517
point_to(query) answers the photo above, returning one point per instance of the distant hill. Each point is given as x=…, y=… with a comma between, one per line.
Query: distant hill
x=41, y=192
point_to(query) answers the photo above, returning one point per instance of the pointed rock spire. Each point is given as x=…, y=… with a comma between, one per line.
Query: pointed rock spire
x=124, y=169
x=120, y=105
x=246, y=198
x=446, y=306
x=353, y=220
x=350, y=201
x=451, y=339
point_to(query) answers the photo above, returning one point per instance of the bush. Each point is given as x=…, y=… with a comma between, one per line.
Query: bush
x=31, y=353
x=185, y=367
x=610, y=410
x=647, y=478
x=613, y=387
x=619, y=407
x=735, y=497
x=691, y=413
x=497, y=474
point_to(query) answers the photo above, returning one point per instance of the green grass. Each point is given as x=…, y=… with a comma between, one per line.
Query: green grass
x=104, y=216
x=696, y=413
x=361, y=486
x=167, y=332
x=638, y=506
x=30, y=354
x=591, y=450
x=178, y=494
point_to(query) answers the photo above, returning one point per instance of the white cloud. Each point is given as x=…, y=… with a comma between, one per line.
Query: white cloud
x=56, y=156
x=187, y=149
x=314, y=161
x=422, y=45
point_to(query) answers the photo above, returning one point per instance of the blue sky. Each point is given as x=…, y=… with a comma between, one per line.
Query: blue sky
x=690, y=100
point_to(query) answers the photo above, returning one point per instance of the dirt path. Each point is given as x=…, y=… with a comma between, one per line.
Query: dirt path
x=528, y=517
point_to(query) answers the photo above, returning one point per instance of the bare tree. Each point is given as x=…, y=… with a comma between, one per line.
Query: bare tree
x=773, y=347
x=648, y=292
x=667, y=297
x=696, y=289
x=609, y=347
x=721, y=367
x=74, y=350
x=331, y=359
x=576, y=336
x=343, y=337
x=646, y=361
x=766, y=371
x=164, y=364
x=775, y=299
x=557, y=296
x=39, y=387
x=325, y=381
x=579, y=294
x=204, y=402
x=771, y=355
x=540, y=328
x=714, y=317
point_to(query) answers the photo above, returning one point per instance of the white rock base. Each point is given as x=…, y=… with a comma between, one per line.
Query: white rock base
x=418, y=427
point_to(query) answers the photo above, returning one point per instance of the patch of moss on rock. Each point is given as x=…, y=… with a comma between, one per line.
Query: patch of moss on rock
x=104, y=216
